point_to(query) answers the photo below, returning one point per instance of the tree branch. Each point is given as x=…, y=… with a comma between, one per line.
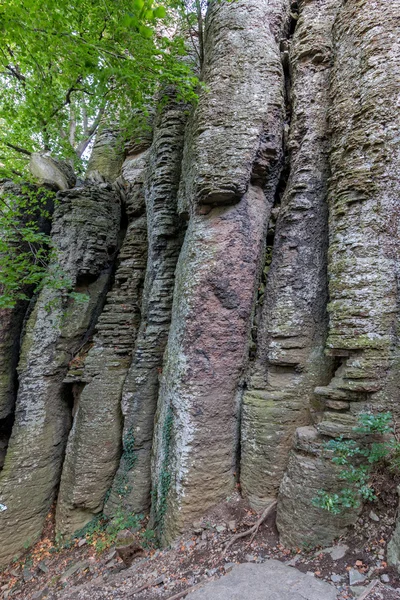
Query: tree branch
x=80, y=149
x=17, y=148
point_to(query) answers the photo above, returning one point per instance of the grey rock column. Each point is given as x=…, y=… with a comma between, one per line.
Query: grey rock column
x=94, y=444
x=11, y=319
x=85, y=230
x=232, y=160
x=132, y=483
x=290, y=358
x=363, y=256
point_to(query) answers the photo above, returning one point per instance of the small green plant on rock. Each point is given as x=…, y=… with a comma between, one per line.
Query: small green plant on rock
x=101, y=532
x=358, y=459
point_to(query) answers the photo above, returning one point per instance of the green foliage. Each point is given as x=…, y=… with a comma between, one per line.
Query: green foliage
x=101, y=533
x=358, y=459
x=25, y=247
x=63, y=66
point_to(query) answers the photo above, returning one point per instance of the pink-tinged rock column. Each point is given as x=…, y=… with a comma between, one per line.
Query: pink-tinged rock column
x=232, y=162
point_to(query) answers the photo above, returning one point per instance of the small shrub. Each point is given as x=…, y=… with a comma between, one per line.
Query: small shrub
x=101, y=532
x=357, y=461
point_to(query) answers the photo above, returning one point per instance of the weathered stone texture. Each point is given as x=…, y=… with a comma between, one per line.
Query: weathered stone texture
x=233, y=155
x=49, y=171
x=197, y=415
x=94, y=445
x=107, y=155
x=234, y=125
x=85, y=230
x=11, y=319
x=132, y=483
x=363, y=249
x=300, y=524
x=290, y=359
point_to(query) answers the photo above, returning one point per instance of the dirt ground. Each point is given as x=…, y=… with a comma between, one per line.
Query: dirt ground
x=81, y=573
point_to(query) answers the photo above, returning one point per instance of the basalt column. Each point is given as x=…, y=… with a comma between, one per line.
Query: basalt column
x=132, y=483
x=290, y=358
x=232, y=161
x=12, y=318
x=94, y=445
x=363, y=257
x=85, y=230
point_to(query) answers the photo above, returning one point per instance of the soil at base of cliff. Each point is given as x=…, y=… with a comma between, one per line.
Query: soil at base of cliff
x=79, y=573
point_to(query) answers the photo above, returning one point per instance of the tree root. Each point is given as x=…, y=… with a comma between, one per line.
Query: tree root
x=369, y=589
x=254, y=529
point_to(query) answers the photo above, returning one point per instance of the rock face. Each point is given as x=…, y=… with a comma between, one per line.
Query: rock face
x=363, y=246
x=237, y=277
x=132, y=484
x=290, y=359
x=85, y=230
x=11, y=319
x=107, y=156
x=94, y=445
x=219, y=267
x=237, y=119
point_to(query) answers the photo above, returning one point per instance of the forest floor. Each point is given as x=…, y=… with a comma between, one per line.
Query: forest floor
x=91, y=569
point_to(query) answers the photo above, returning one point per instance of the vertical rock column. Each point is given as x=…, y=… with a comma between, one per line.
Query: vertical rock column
x=85, y=234
x=363, y=258
x=132, y=484
x=12, y=318
x=94, y=444
x=232, y=159
x=290, y=359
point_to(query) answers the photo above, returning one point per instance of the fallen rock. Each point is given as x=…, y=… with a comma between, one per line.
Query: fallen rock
x=128, y=548
x=373, y=516
x=75, y=568
x=250, y=582
x=355, y=577
x=42, y=566
x=41, y=594
x=336, y=552
x=82, y=542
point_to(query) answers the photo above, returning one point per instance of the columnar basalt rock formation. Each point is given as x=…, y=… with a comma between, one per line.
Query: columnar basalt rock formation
x=132, y=484
x=85, y=234
x=94, y=444
x=229, y=178
x=290, y=359
x=363, y=257
x=12, y=318
x=237, y=272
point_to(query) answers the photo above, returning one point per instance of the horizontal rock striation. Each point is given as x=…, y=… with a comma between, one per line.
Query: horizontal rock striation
x=363, y=255
x=85, y=230
x=290, y=359
x=231, y=130
x=94, y=444
x=132, y=484
x=11, y=319
x=233, y=156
